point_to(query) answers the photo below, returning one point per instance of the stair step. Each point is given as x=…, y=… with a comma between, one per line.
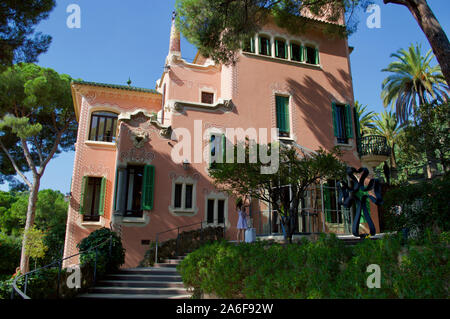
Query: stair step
x=139, y=283
x=153, y=277
x=138, y=290
x=148, y=271
x=165, y=265
x=172, y=261
x=159, y=282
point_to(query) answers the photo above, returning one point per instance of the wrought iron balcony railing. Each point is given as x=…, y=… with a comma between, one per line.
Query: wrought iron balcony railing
x=373, y=145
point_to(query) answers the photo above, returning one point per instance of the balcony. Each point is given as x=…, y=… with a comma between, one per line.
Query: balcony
x=373, y=150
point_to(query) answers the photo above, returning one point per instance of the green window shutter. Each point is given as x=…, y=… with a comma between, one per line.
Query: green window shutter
x=252, y=45
x=327, y=202
x=148, y=187
x=278, y=111
x=290, y=49
x=121, y=188
x=224, y=159
x=285, y=51
x=84, y=185
x=115, y=189
x=357, y=130
x=282, y=108
x=286, y=114
x=304, y=54
x=335, y=119
x=276, y=48
x=101, y=204
x=348, y=121
x=260, y=45
x=357, y=125
x=317, y=56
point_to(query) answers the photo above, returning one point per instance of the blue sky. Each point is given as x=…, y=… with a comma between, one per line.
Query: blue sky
x=121, y=39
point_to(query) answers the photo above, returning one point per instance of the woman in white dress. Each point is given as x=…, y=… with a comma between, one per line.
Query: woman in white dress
x=242, y=220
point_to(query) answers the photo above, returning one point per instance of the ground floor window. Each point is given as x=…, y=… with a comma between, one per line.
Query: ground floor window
x=92, y=202
x=183, y=196
x=183, y=199
x=134, y=190
x=318, y=211
x=215, y=211
x=333, y=211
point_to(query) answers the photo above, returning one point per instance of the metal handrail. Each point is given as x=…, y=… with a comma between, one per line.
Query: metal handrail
x=59, y=261
x=373, y=145
x=178, y=234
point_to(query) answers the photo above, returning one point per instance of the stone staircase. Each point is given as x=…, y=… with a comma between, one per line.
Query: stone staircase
x=162, y=281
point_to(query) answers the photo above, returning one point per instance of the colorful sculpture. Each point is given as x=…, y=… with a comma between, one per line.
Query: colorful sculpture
x=357, y=193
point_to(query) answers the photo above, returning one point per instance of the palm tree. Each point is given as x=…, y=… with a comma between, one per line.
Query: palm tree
x=414, y=82
x=387, y=125
x=365, y=118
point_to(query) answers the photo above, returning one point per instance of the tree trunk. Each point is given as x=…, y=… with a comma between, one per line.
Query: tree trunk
x=431, y=164
x=32, y=199
x=393, y=159
x=288, y=230
x=432, y=29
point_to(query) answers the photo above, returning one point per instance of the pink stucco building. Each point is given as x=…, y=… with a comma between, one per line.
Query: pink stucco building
x=125, y=174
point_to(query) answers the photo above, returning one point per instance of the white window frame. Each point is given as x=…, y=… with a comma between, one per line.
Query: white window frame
x=290, y=109
x=94, y=109
x=216, y=197
x=183, y=211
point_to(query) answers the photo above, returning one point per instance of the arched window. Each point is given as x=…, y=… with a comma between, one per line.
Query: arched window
x=297, y=52
x=103, y=126
x=264, y=46
x=249, y=45
x=281, y=49
x=312, y=55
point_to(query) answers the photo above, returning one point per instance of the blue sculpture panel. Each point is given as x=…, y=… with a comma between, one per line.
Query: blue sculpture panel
x=355, y=192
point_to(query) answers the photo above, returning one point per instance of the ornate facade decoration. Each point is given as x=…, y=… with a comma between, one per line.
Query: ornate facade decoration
x=137, y=155
x=139, y=137
x=166, y=132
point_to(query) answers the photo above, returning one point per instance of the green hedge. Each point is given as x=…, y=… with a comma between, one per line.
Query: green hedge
x=423, y=205
x=43, y=283
x=322, y=269
x=105, y=261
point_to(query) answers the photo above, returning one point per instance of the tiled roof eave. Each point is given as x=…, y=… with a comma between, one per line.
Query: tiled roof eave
x=116, y=86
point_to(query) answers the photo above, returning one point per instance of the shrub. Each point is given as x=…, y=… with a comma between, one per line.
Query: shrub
x=423, y=205
x=10, y=248
x=322, y=269
x=105, y=262
x=43, y=284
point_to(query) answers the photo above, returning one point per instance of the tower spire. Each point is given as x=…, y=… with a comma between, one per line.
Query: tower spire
x=174, y=47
